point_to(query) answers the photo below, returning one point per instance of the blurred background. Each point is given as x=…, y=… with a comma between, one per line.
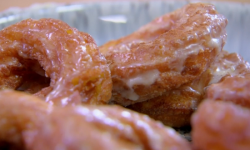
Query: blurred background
x=5, y=4
x=112, y=20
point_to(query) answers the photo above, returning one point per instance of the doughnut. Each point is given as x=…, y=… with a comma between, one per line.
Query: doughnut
x=233, y=89
x=228, y=65
x=53, y=61
x=19, y=114
x=233, y=74
x=173, y=109
x=176, y=106
x=165, y=54
x=27, y=122
x=220, y=125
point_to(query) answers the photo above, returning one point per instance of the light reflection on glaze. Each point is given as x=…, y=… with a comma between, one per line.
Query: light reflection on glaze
x=81, y=127
x=126, y=114
x=228, y=64
x=127, y=122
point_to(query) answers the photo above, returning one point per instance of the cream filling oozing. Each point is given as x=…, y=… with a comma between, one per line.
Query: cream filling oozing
x=147, y=78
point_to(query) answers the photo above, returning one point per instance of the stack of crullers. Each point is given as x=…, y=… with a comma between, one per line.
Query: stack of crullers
x=60, y=91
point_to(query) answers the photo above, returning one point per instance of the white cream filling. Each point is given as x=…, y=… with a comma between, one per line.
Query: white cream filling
x=147, y=78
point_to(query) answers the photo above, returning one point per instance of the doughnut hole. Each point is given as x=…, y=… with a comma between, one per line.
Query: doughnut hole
x=33, y=77
x=11, y=146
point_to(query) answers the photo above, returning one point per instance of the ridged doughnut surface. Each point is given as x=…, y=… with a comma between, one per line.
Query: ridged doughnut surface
x=50, y=59
x=27, y=122
x=170, y=51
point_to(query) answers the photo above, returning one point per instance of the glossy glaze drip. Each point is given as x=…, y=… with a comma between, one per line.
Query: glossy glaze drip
x=51, y=48
x=217, y=38
x=181, y=45
x=228, y=64
x=146, y=79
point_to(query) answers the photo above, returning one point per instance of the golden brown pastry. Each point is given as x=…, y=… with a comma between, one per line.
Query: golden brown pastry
x=234, y=89
x=233, y=74
x=220, y=125
x=228, y=64
x=74, y=71
x=27, y=122
x=165, y=54
x=176, y=107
